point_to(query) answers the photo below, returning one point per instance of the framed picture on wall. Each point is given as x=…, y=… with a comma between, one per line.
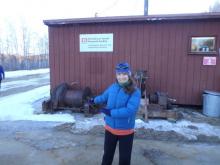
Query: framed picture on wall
x=203, y=45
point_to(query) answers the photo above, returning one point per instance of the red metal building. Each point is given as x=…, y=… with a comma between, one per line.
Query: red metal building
x=180, y=52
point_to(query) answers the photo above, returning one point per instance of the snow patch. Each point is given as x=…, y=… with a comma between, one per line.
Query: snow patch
x=186, y=128
x=84, y=124
x=22, y=83
x=19, y=73
x=19, y=107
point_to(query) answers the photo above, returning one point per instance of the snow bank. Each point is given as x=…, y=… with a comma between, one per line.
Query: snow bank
x=183, y=127
x=19, y=107
x=84, y=124
x=186, y=128
x=18, y=73
x=22, y=83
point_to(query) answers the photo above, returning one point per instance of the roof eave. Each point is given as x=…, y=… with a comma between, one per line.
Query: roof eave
x=149, y=18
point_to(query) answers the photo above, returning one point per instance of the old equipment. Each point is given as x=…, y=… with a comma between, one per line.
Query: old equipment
x=70, y=97
x=154, y=105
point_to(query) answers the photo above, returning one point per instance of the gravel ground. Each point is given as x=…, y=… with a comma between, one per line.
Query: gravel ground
x=26, y=142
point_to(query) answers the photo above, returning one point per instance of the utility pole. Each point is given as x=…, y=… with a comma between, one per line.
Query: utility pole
x=145, y=7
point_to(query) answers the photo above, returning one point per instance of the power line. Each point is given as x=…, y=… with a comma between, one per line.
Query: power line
x=108, y=7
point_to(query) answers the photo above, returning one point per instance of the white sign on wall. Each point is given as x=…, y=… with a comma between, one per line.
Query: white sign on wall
x=209, y=60
x=96, y=42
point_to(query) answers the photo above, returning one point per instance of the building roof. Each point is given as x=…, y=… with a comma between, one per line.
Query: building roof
x=142, y=18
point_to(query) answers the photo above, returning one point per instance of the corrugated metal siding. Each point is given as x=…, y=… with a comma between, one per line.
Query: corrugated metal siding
x=159, y=48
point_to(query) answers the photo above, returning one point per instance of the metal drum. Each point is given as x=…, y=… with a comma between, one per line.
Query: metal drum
x=211, y=103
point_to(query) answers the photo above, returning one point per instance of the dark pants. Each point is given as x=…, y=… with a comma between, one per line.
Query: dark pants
x=125, y=148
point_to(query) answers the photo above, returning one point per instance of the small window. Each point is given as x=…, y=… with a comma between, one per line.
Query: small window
x=203, y=45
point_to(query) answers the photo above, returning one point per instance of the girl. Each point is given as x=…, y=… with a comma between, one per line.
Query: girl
x=122, y=100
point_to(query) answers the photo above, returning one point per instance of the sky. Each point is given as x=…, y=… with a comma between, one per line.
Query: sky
x=35, y=11
x=30, y=13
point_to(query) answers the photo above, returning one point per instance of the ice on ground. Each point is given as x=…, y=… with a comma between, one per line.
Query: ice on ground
x=22, y=83
x=182, y=127
x=84, y=124
x=19, y=73
x=186, y=128
x=19, y=107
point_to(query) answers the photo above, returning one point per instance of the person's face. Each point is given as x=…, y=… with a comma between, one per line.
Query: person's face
x=122, y=77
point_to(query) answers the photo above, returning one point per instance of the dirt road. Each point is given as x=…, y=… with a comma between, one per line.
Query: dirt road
x=23, y=83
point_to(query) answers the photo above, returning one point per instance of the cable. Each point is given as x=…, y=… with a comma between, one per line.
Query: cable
x=109, y=7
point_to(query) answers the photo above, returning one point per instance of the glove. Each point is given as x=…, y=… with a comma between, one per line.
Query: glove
x=91, y=101
x=106, y=111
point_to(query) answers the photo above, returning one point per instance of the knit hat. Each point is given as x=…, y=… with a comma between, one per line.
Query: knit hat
x=123, y=67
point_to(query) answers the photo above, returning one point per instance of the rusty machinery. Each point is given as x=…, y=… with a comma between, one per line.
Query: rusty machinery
x=75, y=99
x=157, y=104
x=70, y=97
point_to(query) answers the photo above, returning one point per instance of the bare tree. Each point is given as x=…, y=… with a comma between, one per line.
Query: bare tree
x=18, y=44
x=7, y=45
x=43, y=45
x=215, y=7
x=8, y=40
x=25, y=37
x=11, y=39
x=1, y=46
x=25, y=43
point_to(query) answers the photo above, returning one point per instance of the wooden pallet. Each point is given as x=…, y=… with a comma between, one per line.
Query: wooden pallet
x=157, y=111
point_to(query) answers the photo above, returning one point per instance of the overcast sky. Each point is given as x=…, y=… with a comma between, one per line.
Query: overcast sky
x=35, y=11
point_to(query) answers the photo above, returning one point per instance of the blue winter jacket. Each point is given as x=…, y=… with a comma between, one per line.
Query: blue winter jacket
x=122, y=105
x=2, y=73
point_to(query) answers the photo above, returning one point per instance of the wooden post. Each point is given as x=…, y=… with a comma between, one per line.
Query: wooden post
x=146, y=100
